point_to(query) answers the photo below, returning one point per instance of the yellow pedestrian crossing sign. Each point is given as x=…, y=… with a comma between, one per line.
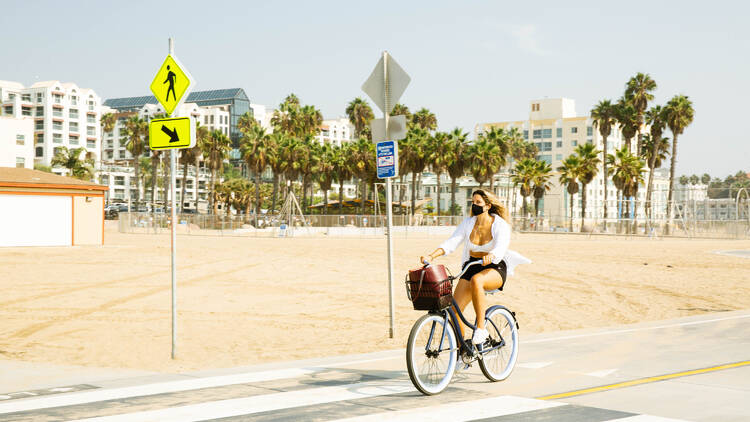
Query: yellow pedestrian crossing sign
x=173, y=133
x=171, y=84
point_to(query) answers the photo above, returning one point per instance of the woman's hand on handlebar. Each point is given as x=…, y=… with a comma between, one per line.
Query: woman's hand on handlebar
x=425, y=260
x=487, y=259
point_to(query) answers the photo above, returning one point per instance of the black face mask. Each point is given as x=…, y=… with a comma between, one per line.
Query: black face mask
x=476, y=209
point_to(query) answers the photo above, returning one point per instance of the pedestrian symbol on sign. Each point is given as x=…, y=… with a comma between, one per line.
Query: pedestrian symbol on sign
x=170, y=78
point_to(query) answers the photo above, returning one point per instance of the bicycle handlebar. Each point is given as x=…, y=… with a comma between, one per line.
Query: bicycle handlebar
x=427, y=264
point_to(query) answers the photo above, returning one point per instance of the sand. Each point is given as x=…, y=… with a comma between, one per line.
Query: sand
x=244, y=301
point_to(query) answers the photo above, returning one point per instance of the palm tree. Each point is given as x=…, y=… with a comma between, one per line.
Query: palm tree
x=627, y=118
x=215, y=151
x=201, y=138
x=638, y=92
x=485, y=159
x=569, y=172
x=188, y=156
x=255, y=147
x=277, y=163
x=627, y=174
x=437, y=156
x=655, y=119
x=542, y=175
x=360, y=114
x=155, y=164
x=107, y=123
x=456, y=161
x=415, y=156
x=424, y=119
x=604, y=116
x=705, y=179
x=325, y=173
x=246, y=122
x=679, y=114
x=342, y=169
x=310, y=119
x=71, y=159
x=523, y=176
x=363, y=165
x=286, y=118
x=401, y=110
x=136, y=129
x=589, y=156
x=498, y=137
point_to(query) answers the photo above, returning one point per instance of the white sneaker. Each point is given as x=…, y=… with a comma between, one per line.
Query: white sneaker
x=480, y=336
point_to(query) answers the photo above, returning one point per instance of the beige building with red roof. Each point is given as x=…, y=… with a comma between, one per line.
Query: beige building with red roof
x=44, y=209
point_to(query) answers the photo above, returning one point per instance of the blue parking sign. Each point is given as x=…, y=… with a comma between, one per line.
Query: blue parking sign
x=387, y=159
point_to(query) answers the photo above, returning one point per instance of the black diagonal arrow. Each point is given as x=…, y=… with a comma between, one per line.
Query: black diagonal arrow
x=172, y=134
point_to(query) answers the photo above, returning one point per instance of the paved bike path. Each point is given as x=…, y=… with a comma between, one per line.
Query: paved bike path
x=376, y=386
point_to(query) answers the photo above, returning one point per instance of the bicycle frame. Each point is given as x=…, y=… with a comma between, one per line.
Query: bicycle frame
x=454, y=317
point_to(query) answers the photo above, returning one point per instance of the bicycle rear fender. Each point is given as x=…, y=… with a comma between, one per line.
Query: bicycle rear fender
x=493, y=307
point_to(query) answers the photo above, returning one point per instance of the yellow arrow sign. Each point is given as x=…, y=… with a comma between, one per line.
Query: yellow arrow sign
x=171, y=133
x=171, y=84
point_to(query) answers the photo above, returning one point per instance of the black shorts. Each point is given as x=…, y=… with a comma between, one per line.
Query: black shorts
x=474, y=269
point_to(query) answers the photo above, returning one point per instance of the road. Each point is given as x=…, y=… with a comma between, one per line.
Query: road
x=694, y=369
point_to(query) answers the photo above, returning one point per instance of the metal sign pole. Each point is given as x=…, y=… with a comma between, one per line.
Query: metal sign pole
x=388, y=202
x=172, y=159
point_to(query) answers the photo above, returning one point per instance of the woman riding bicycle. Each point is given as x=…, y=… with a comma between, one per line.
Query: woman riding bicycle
x=487, y=236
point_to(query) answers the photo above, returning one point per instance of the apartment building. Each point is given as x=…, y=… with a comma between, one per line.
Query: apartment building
x=64, y=115
x=335, y=131
x=16, y=142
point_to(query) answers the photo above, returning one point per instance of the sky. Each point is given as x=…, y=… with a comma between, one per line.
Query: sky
x=470, y=62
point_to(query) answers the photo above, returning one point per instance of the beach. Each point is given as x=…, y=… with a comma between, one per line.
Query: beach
x=244, y=300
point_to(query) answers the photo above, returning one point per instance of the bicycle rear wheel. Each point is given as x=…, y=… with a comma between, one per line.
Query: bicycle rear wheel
x=497, y=364
x=431, y=354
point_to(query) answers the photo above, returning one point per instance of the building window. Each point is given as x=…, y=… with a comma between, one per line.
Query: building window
x=525, y=134
x=589, y=131
x=39, y=125
x=56, y=112
x=73, y=100
x=90, y=130
x=57, y=98
x=26, y=97
x=39, y=97
x=40, y=111
x=39, y=138
x=558, y=157
x=74, y=140
x=546, y=146
x=212, y=119
x=56, y=125
x=574, y=130
x=91, y=105
x=109, y=155
x=26, y=111
x=559, y=132
x=73, y=126
x=558, y=144
x=56, y=151
x=574, y=143
x=90, y=144
x=119, y=180
x=537, y=134
x=20, y=162
x=105, y=180
x=8, y=110
x=90, y=118
x=73, y=113
x=39, y=151
x=20, y=139
x=546, y=133
x=535, y=107
x=546, y=158
x=57, y=138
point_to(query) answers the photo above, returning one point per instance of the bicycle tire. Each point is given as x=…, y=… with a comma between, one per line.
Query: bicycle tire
x=430, y=366
x=498, y=364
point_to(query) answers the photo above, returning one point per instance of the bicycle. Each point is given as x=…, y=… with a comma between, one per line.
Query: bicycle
x=435, y=345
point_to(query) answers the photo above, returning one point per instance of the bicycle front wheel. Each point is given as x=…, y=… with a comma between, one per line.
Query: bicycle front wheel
x=431, y=354
x=498, y=363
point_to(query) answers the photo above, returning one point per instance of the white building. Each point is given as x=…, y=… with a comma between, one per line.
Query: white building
x=335, y=131
x=16, y=142
x=555, y=128
x=690, y=192
x=263, y=116
x=64, y=115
